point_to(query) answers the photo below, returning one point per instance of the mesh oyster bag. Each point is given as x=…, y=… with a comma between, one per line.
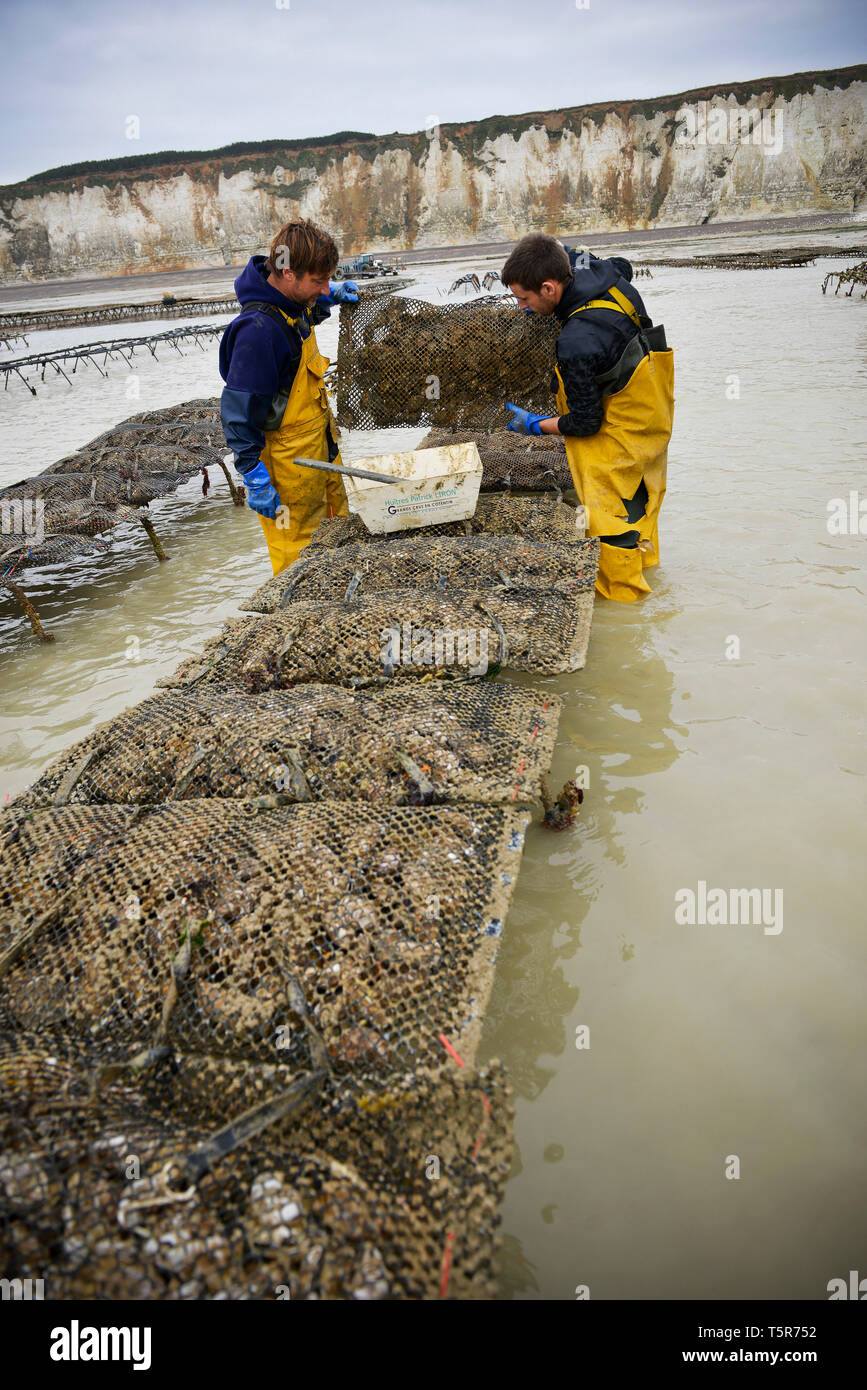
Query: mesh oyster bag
x=407, y=362
x=411, y=744
x=542, y=519
x=132, y=439
x=104, y=488
x=404, y=634
x=97, y=487
x=196, y=430
x=177, y=458
x=206, y=409
x=52, y=550
x=309, y=1193
x=332, y=935
x=84, y=518
x=431, y=562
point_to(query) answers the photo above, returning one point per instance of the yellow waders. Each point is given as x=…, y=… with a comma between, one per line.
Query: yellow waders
x=308, y=493
x=608, y=467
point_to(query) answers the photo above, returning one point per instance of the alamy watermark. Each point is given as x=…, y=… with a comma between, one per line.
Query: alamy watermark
x=847, y=517
x=855, y=1288
x=77, y=1343
x=25, y=1290
x=705, y=123
x=23, y=516
x=421, y=646
x=723, y=907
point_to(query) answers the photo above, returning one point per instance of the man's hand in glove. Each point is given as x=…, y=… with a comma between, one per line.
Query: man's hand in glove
x=262, y=496
x=340, y=292
x=523, y=421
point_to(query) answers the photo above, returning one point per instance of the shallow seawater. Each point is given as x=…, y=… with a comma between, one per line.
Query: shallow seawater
x=719, y=726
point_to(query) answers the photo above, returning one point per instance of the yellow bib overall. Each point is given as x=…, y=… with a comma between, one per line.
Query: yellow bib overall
x=309, y=494
x=630, y=447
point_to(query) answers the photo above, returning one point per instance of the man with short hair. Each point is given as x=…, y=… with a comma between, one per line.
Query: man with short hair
x=274, y=406
x=615, y=397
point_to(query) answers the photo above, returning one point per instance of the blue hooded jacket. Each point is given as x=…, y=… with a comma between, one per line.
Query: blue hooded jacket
x=590, y=343
x=257, y=360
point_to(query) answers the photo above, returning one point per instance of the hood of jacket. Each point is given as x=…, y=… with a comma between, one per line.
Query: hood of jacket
x=252, y=284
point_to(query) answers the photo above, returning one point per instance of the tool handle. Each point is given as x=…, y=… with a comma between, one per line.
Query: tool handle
x=349, y=472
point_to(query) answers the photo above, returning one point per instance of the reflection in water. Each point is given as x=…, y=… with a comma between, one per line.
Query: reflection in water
x=532, y=1000
x=516, y=1274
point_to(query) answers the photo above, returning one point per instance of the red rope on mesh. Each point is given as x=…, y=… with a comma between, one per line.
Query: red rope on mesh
x=524, y=759
x=448, y=1047
x=9, y=573
x=447, y=1263
x=520, y=770
x=450, y=1235
x=478, y=1144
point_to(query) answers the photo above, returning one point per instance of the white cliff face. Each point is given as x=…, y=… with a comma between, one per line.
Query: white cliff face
x=722, y=156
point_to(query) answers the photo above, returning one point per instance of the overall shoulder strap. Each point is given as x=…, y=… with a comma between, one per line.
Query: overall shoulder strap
x=621, y=305
x=625, y=305
x=289, y=325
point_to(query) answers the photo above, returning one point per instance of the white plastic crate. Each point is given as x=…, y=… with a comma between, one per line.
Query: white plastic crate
x=442, y=485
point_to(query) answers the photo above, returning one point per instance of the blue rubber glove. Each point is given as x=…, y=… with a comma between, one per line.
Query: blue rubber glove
x=262, y=496
x=340, y=292
x=523, y=421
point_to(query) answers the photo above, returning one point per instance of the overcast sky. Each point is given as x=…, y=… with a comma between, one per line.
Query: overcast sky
x=204, y=73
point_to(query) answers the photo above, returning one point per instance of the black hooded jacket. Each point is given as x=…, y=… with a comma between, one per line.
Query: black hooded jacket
x=591, y=342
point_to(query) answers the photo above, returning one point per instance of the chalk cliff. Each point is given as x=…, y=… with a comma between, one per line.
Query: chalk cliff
x=772, y=147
